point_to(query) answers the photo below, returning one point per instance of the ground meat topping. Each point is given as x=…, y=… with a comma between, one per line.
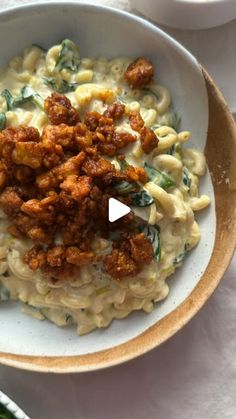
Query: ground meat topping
x=139, y=73
x=149, y=140
x=128, y=256
x=60, y=110
x=136, y=121
x=58, y=184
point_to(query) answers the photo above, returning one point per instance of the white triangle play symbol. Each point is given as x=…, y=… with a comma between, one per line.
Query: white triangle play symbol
x=116, y=210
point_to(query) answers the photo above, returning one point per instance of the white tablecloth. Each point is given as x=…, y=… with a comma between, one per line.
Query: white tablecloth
x=193, y=375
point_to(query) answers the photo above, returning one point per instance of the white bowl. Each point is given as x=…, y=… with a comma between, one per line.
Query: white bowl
x=187, y=14
x=12, y=407
x=28, y=343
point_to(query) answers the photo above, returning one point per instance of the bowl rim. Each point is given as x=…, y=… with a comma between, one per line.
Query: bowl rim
x=176, y=319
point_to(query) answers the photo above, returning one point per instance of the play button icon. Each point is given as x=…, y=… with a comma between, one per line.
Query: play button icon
x=116, y=210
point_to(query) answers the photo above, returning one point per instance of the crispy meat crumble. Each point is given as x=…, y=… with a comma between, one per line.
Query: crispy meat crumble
x=60, y=182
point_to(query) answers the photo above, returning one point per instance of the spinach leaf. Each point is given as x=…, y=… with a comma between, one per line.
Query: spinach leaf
x=28, y=94
x=3, y=121
x=123, y=165
x=158, y=177
x=121, y=99
x=9, y=99
x=62, y=87
x=4, y=293
x=175, y=150
x=171, y=151
x=5, y=414
x=179, y=259
x=141, y=199
x=69, y=319
x=153, y=234
x=155, y=126
x=186, y=179
x=175, y=121
x=125, y=187
x=69, y=56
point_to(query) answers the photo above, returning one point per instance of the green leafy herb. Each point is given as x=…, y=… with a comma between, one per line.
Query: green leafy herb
x=179, y=259
x=175, y=150
x=3, y=120
x=5, y=414
x=4, y=293
x=171, y=150
x=9, y=99
x=153, y=234
x=155, y=126
x=125, y=187
x=141, y=199
x=69, y=319
x=62, y=87
x=158, y=177
x=123, y=165
x=69, y=56
x=186, y=179
x=121, y=99
x=175, y=121
x=28, y=94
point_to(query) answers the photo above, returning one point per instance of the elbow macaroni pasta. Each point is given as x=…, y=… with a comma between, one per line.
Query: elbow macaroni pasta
x=95, y=299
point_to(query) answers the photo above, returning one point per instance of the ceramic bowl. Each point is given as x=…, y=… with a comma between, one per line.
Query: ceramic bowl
x=187, y=14
x=11, y=407
x=41, y=346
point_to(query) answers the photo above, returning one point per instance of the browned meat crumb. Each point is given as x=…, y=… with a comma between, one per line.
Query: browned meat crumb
x=128, y=256
x=60, y=110
x=139, y=73
x=136, y=121
x=149, y=140
x=58, y=185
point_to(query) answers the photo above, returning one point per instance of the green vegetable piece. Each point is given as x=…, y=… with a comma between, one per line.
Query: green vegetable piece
x=69, y=56
x=69, y=319
x=141, y=199
x=5, y=414
x=3, y=121
x=124, y=187
x=9, y=99
x=121, y=99
x=123, y=165
x=153, y=234
x=179, y=259
x=158, y=177
x=62, y=87
x=28, y=94
x=176, y=121
x=4, y=293
x=186, y=179
x=155, y=126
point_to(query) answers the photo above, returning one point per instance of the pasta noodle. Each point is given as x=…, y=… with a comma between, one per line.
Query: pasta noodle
x=94, y=299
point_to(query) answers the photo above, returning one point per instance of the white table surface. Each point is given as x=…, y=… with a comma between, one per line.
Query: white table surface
x=193, y=375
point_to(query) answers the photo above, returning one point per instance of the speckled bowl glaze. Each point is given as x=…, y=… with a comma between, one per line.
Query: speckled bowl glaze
x=41, y=346
x=12, y=407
